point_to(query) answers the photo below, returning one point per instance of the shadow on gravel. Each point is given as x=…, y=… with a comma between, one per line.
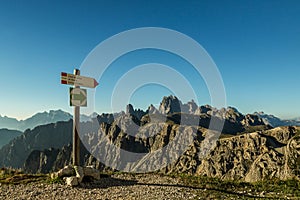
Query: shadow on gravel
x=108, y=181
x=204, y=188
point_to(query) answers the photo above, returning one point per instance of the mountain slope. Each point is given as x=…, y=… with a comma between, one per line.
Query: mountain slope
x=248, y=157
x=38, y=119
x=9, y=123
x=54, y=135
x=7, y=135
x=275, y=121
x=52, y=116
x=247, y=149
x=59, y=134
x=42, y=118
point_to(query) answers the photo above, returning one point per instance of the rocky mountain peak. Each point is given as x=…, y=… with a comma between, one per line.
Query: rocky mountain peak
x=38, y=119
x=203, y=109
x=232, y=109
x=245, y=142
x=138, y=113
x=152, y=110
x=129, y=109
x=252, y=120
x=259, y=113
x=190, y=107
x=275, y=121
x=170, y=104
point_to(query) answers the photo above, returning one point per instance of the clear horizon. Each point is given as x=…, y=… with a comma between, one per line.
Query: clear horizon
x=255, y=45
x=134, y=106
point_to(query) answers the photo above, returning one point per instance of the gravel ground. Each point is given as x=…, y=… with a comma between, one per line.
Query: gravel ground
x=117, y=186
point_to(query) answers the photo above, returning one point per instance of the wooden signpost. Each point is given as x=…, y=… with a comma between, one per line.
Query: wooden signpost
x=76, y=79
x=78, y=98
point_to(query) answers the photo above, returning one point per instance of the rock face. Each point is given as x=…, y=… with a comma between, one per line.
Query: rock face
x=42, y=137
x=135, y=112
x=48, y=160
x=190, y=107
x=152, y=110
x=51, y=160
x=170, y=104
x=255, y=156
x=247, y=150
x=41, y=161
x=7, y=135
x=249, y=157
x=55, y=136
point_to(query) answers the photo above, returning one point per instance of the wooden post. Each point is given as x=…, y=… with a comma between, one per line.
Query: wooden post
x=76, y=122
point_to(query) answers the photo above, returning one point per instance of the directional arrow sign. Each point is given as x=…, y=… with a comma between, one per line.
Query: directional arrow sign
x=78, y=97
x=77, y=80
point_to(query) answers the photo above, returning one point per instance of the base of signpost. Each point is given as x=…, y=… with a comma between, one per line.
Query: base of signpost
x=73, y=175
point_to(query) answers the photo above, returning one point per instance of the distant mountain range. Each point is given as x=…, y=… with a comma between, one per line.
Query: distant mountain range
x=54, y=116
x=42, y=136
x=248, y=149
x=169, y=105
x=42, y=118
x=275, y=121
x=38, y=119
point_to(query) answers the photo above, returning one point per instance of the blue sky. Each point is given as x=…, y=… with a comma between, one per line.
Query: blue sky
x=255, y=44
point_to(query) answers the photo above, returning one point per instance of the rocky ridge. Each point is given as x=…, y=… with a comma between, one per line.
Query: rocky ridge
x=7, y=135
x=246, y=142
x=41, y=118
x=275, y=121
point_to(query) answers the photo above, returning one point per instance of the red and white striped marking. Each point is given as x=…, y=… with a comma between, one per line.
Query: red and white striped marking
x=71, y=79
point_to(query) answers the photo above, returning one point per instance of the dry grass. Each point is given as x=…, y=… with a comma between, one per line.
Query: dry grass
x=13, y=176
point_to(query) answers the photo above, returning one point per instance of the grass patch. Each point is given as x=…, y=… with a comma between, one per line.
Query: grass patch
x=285, y=187
x=267, y=188
x=56, y=180
x=12, y=176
